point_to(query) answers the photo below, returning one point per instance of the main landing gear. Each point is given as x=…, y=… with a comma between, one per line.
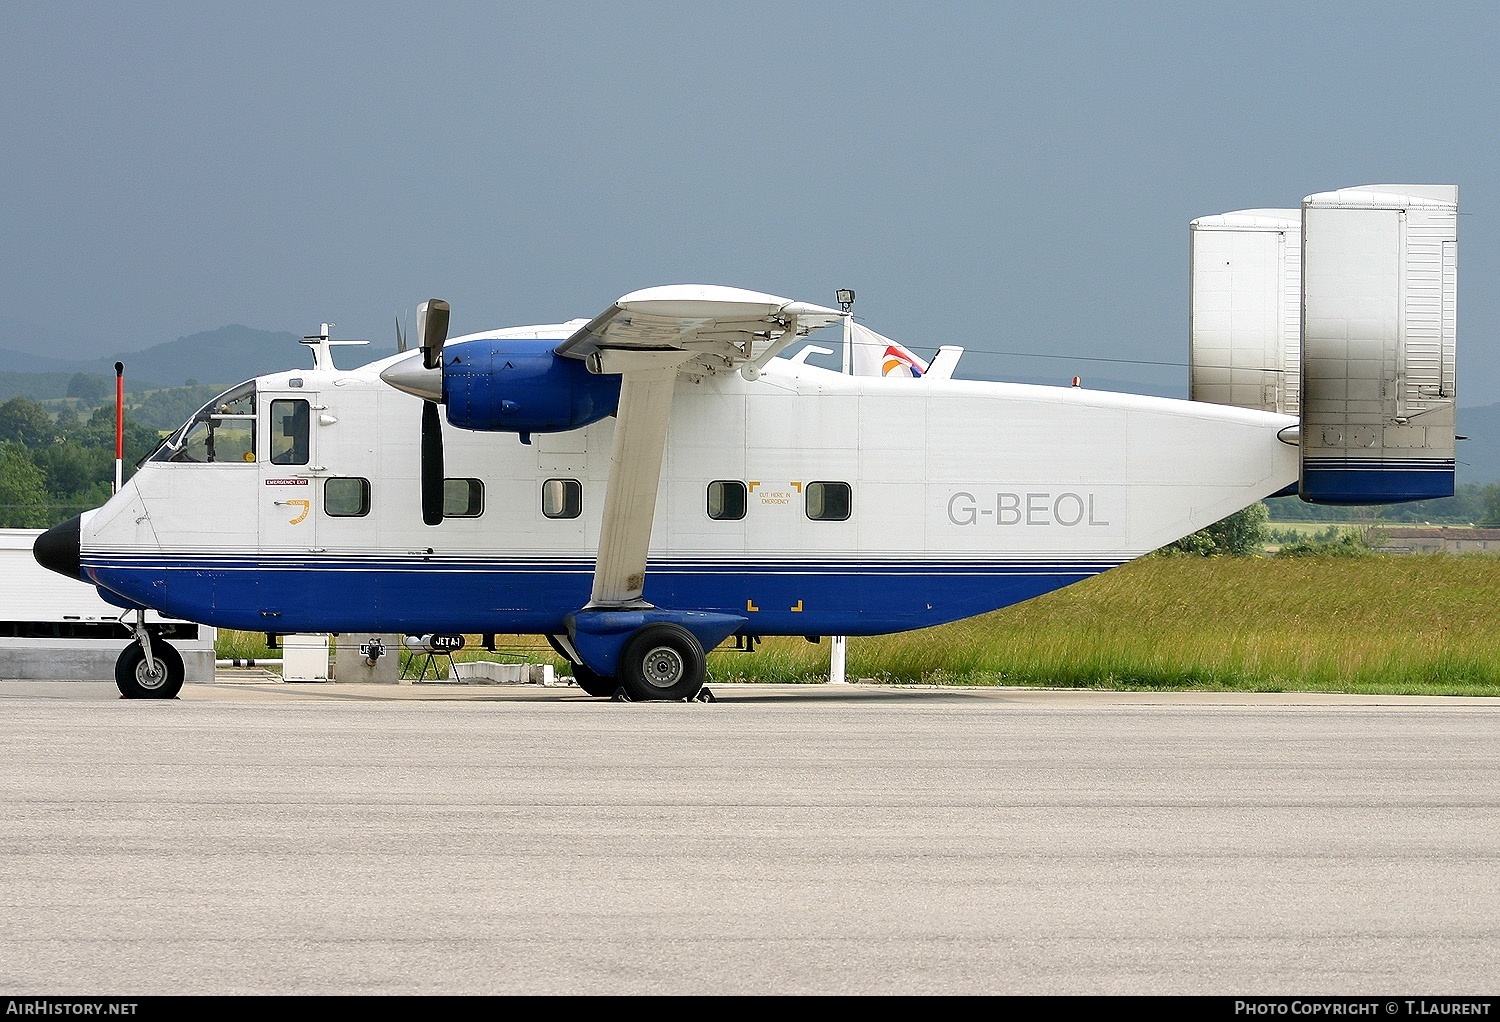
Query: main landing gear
x=662, y=661
x=658, y=662
x=147, y=668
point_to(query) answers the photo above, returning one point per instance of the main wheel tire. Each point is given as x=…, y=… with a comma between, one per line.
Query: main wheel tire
x=662, y=661
x=161, y=679
x=594, y=684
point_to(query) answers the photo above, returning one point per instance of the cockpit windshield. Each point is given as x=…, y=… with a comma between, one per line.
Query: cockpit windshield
x=222, y=431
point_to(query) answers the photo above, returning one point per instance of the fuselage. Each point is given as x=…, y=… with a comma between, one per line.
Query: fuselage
x=807, y=501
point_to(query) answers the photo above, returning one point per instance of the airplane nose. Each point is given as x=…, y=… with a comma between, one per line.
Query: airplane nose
x=57, y=549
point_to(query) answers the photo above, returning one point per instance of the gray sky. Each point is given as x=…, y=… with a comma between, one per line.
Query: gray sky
x=1014, y=181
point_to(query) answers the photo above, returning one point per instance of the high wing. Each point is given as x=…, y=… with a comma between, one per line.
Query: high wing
x=648, y=337
x=717, y=329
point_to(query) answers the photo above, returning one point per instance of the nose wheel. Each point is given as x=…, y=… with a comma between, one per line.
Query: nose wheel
x=159, y=677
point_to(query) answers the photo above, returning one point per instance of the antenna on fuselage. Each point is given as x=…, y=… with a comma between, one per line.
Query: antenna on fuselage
x=322, y=347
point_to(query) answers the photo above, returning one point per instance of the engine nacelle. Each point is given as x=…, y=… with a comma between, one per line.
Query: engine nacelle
x=519, y=385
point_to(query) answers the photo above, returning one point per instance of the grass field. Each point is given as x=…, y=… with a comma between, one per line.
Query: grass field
x=1396, y=624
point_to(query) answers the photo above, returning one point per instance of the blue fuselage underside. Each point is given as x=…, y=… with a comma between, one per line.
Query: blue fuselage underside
x=802, y=598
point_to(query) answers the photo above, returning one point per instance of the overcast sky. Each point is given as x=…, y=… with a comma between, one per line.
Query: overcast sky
x=1013, y=181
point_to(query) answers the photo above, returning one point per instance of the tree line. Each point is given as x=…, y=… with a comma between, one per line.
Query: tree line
x=55, y=464
x=1356, y=530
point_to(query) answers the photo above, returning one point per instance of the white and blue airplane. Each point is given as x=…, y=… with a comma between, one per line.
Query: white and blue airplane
x=644, y=485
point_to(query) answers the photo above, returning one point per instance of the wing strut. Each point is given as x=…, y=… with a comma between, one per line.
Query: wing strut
x=647, y=379
x=646, y=337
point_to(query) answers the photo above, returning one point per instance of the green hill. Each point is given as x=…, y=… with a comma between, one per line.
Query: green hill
x=221, y=357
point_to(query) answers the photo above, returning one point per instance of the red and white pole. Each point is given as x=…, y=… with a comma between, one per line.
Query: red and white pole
x=119, y=425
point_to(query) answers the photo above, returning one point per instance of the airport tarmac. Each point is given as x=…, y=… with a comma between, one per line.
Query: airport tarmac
x=263, y=838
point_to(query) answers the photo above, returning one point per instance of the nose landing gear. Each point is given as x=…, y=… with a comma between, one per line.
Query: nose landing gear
x=147, y=669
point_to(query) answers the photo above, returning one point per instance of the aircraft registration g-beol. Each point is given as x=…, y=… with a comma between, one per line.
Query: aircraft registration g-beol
x=644, y=485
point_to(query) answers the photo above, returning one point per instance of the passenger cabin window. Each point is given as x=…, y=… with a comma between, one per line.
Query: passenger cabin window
x=463, y=498
x=222, y=431
x=346, y=497
x=290, y=432
x=726, y=500
x=828, y=502
x=562, y=498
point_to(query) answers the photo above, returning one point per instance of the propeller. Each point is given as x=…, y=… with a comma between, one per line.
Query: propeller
x=432, y=331
x=400, y=335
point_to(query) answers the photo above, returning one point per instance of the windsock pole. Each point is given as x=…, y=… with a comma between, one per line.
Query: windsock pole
x=119, y=425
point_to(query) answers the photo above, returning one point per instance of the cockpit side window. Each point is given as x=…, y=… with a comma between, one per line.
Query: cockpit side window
x=290, y=432
x=222, y=431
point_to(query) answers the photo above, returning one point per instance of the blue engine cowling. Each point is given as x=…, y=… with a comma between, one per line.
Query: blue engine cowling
x=521, y=386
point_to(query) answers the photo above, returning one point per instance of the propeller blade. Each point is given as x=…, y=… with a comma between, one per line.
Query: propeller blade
x=432, y=331
x=432, y=464
x=400, y=334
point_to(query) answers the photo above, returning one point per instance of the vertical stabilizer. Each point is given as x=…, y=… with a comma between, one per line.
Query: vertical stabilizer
x=1245, y=271
x=1379, y=325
